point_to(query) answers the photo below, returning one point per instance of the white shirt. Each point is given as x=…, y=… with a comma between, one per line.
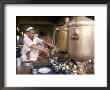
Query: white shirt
x=26, y=47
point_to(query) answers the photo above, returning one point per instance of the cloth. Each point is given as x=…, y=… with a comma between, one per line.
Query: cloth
x=26, y=47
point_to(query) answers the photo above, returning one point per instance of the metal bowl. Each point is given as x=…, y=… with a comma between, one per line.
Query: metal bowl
x=34, y=71
x=56, y=68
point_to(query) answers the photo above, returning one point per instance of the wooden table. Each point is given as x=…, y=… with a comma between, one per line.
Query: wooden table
x=23, y=70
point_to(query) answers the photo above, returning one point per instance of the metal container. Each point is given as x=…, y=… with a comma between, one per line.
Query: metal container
x=62, y=38
x=27, y=64
x=34, y=71
x=81, y=38
x=56, y=68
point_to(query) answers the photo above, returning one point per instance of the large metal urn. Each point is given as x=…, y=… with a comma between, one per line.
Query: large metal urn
x=62, y=38
x=81, y=38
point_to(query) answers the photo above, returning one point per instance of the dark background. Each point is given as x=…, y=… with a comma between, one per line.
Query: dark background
x=56, y=1
x=2, y=49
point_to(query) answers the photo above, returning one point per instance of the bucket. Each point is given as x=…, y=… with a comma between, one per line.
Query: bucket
x=27, y=64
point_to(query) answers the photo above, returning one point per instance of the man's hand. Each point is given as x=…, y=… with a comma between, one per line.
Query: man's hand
x=45, y=50
x=51, y=45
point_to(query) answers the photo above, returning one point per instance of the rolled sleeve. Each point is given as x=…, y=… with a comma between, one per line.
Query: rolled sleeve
x=39, y=40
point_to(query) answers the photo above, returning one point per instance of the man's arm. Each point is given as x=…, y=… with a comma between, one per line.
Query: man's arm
x=49, y=44
x=45, y=50
x=28, y=42
x=44, y=42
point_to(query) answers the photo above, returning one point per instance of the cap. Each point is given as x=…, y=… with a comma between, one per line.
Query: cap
x=30, y=28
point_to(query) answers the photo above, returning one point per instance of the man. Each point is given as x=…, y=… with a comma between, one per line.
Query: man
x=33, y=46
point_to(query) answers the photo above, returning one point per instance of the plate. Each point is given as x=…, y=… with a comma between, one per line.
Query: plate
x=44, y=70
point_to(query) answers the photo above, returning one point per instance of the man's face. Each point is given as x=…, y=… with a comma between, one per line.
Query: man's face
x=31, y=34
